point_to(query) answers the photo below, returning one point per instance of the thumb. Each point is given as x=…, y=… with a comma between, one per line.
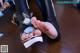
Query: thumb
x=33, y=21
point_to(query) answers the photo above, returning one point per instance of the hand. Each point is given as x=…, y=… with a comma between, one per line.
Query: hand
x=25, y=37
x=45, y=27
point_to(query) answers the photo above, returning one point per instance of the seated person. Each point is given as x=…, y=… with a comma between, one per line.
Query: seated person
x=48, y=25
x=32, y=29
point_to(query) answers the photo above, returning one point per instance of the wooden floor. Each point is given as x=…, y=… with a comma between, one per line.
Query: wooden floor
x=69, y=20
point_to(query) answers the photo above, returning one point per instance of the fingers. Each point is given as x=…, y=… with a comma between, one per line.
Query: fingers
x=37, y=32
x=28, y=36
x=41, y=25
x=36, y=23
x=33, y=18
x=33, y=21
x=24, y=36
